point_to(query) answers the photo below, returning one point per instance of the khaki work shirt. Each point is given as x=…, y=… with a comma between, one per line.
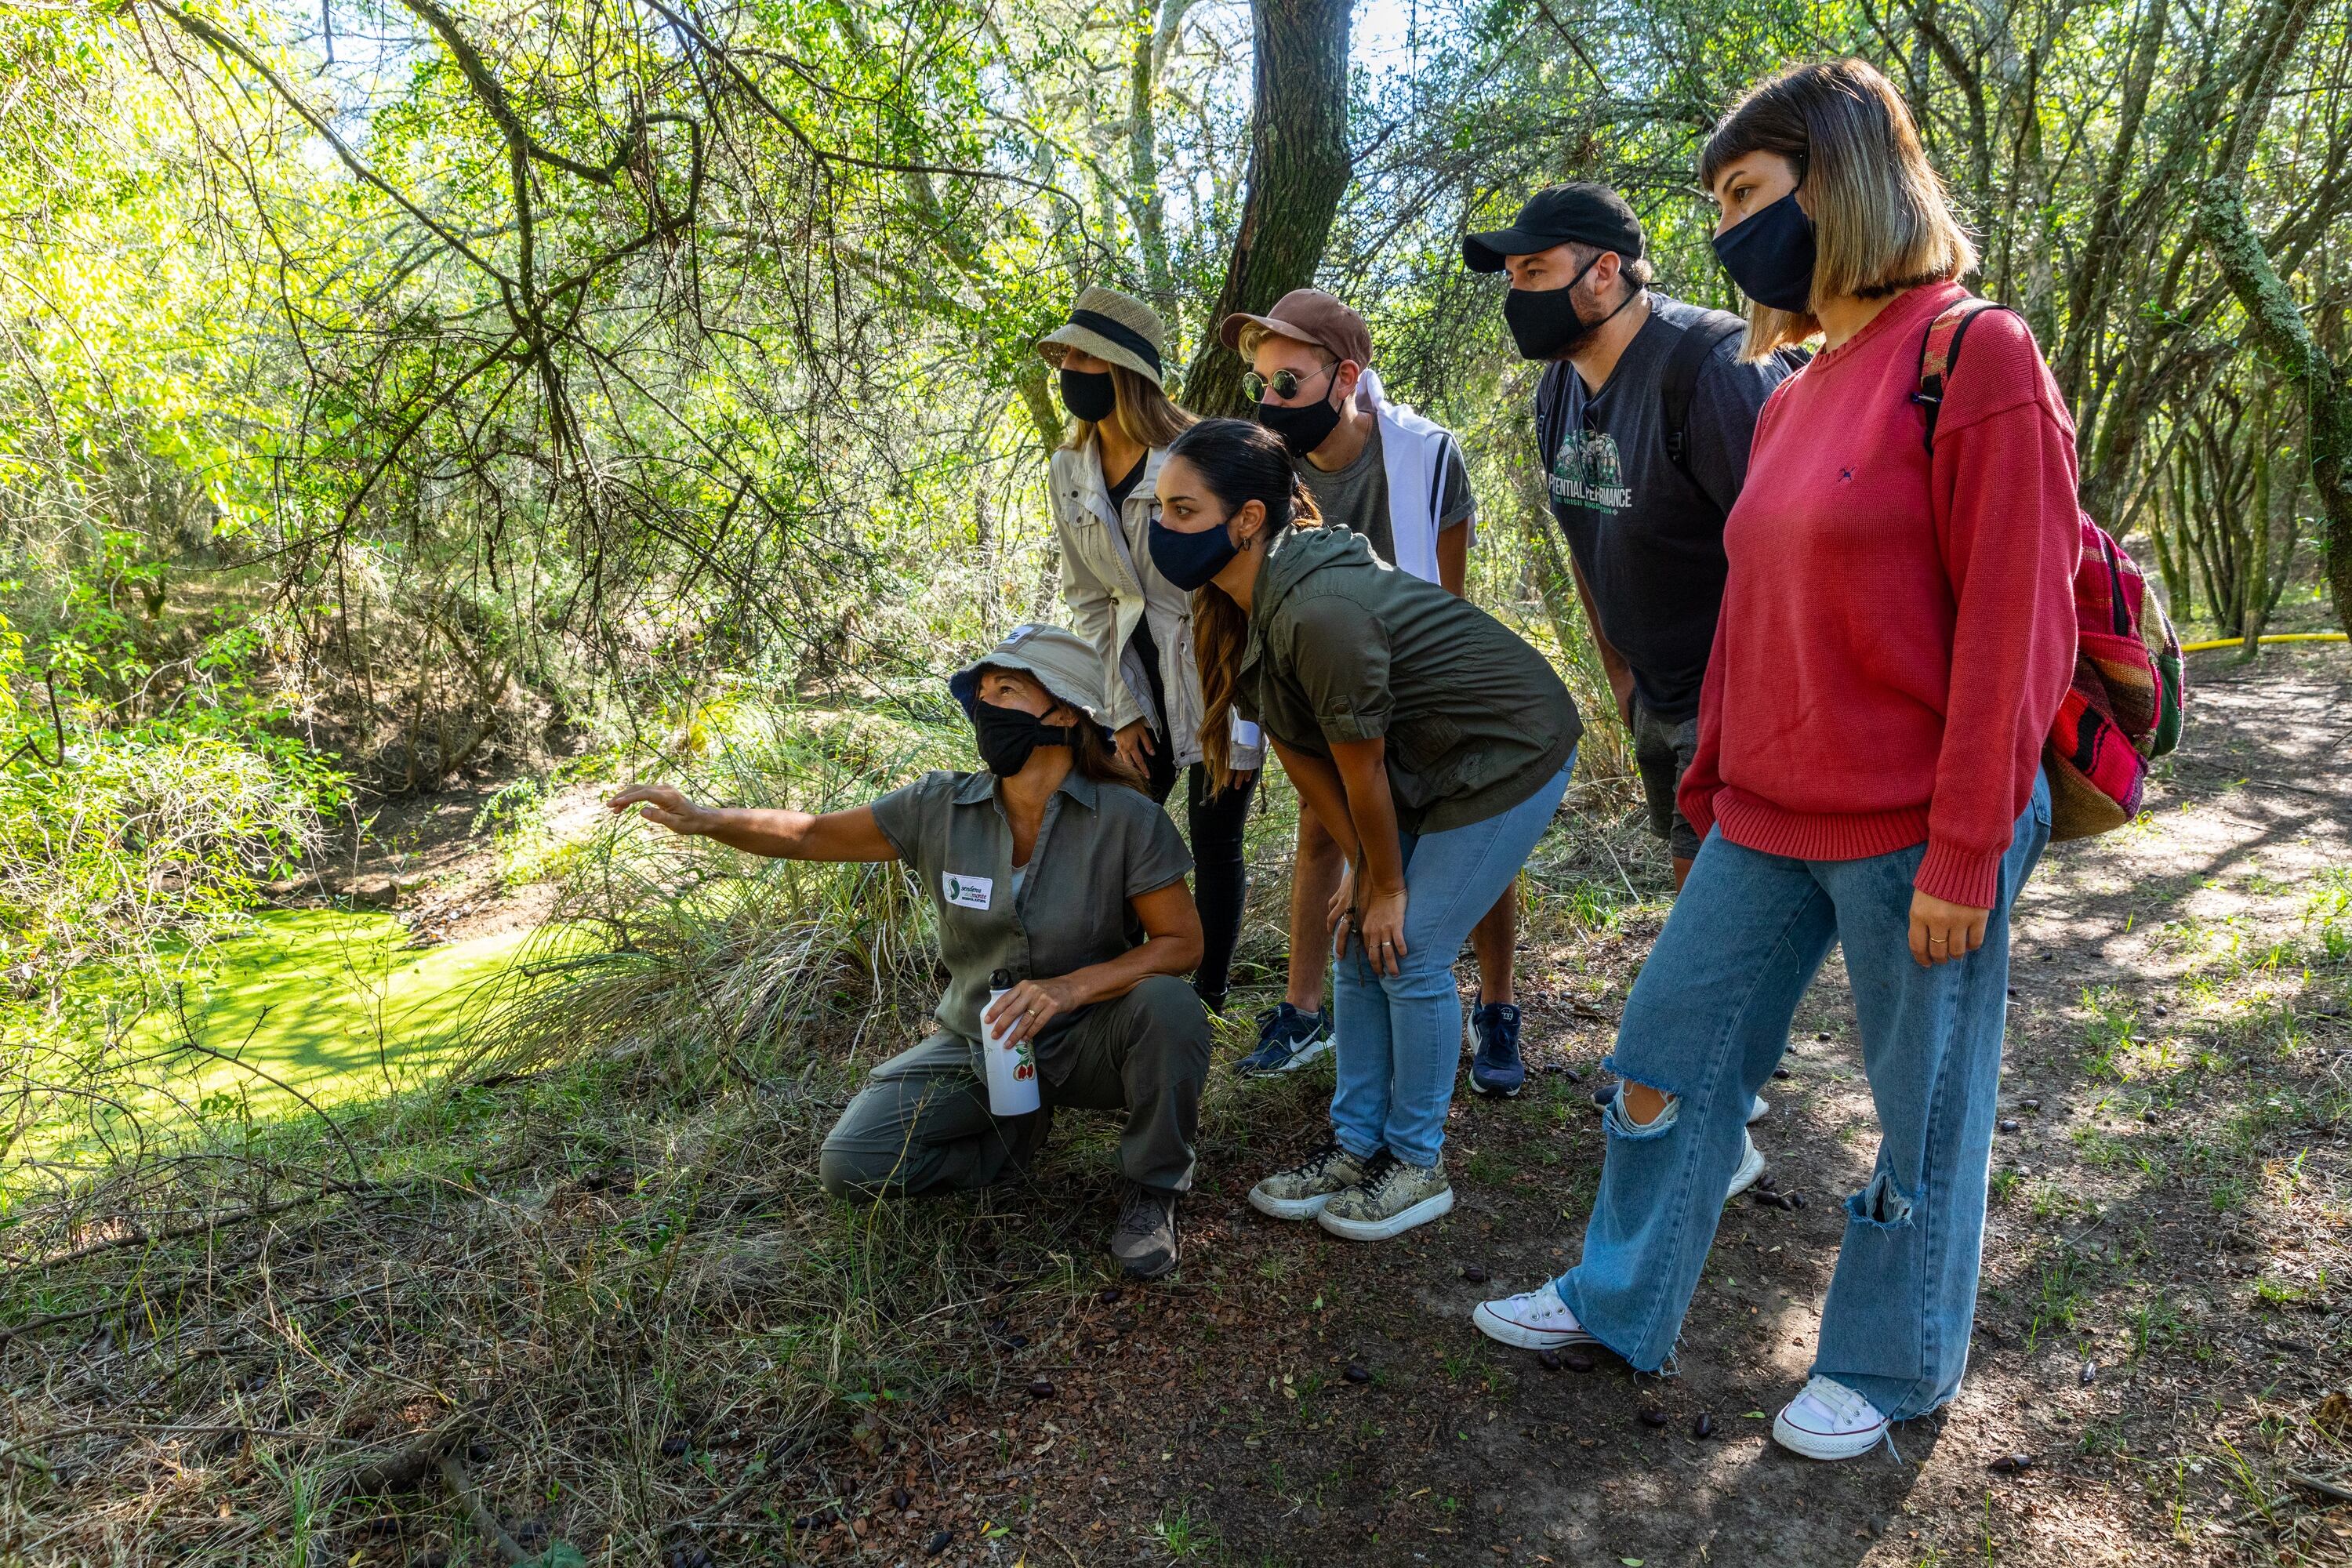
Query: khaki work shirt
x=1099, y=845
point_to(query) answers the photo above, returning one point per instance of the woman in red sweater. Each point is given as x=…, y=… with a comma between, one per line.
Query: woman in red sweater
x=1897, y=629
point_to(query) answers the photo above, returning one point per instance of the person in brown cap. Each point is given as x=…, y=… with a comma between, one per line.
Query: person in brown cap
x=1384, y=471
x=1039, y=868
x=1108, y=352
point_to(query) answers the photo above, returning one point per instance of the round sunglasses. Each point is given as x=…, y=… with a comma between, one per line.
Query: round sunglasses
x=1283, y=384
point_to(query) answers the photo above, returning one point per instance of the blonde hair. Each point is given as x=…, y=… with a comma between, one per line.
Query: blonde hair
x=1146, y=413
x=1253, y=336
x=1882, y=219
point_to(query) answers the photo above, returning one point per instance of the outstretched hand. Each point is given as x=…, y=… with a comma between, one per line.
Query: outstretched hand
x=665, y=805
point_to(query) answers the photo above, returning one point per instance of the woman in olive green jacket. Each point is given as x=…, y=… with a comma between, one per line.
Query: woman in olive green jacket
x=1431, y=741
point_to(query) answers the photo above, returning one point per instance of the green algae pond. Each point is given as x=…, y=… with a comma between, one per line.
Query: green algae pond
x=331, y=1005
x=334, y=1001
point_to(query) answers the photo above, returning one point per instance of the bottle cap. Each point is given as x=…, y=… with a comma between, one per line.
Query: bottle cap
x=999, y=980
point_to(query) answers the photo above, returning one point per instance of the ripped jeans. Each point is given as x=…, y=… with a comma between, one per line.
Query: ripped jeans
x=1706, y=1025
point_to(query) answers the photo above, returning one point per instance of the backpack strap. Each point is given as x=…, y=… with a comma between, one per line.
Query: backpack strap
x=1551, y=404
x=1939, y=350
x=1679, y=382
x=1437, y=473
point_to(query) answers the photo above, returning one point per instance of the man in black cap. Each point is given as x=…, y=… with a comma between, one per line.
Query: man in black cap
x=1643, y=419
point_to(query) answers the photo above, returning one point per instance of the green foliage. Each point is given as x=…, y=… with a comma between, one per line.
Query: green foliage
x=685, y=951
x=160, y=831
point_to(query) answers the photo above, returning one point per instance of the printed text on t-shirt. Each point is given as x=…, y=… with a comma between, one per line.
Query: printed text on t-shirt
x=1587, y=473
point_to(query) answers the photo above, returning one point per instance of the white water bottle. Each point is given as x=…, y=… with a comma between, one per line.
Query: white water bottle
x=1012, y=1068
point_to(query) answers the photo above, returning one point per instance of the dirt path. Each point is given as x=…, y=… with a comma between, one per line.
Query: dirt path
x=2164, y=1301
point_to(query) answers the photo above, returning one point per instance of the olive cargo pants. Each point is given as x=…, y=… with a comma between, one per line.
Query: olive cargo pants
x=921, y=1124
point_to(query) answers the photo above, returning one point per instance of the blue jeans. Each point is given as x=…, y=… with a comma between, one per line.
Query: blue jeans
x=1399, y=1036
x=1706, y=1023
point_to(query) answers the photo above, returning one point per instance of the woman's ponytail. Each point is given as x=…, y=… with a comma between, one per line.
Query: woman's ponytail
x=1304, y=512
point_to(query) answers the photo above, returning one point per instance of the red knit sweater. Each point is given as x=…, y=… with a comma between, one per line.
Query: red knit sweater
x=1894, y=637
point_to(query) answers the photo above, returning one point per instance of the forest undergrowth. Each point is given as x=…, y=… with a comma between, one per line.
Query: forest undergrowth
x=596, y=1242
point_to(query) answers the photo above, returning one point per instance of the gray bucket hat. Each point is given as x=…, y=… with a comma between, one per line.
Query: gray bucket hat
x=1064, y=663
x=1111, y=326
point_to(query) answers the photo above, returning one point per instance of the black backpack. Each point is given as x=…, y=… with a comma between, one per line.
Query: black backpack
x=1697, y=343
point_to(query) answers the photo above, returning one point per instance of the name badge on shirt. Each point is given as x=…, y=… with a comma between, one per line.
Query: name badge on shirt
x=966, y=892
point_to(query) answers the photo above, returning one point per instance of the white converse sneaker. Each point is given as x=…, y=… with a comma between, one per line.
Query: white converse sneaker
x=1829, y=1421
x=1751, y=1165
x=1758, y=1111
x=1535, y=1320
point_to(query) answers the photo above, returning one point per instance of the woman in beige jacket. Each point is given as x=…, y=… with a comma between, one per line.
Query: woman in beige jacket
x=1138, y=624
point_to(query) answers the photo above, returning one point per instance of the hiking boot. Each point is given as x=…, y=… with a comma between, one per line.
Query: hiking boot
x=1495, y=1064
x=1144, y=1239
x=1287, y=1039
x=1829, y=1421
x=1391, y=1199
x=1300, y=1191
x=1533, y=1320
x=1751, y=1165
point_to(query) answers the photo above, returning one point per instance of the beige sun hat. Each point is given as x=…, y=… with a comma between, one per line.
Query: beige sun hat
x=1111, y=326
x=1064, y=663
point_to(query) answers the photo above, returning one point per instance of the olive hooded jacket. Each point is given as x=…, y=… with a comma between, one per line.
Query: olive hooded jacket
x=1343, y=646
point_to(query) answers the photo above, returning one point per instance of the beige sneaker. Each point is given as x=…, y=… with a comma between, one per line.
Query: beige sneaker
x=1391, y=1199
x=1300, y=1191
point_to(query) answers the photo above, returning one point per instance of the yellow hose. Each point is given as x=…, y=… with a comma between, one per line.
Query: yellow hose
x=2274, y=636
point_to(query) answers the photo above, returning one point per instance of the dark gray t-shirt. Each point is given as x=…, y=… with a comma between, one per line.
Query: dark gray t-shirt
x=1357, y=497
x=1649, y=537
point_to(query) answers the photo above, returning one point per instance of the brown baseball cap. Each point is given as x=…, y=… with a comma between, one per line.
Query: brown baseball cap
x=1311, y=317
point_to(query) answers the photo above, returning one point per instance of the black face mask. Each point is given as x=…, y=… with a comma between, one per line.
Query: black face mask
x=1090, y=396
x=1770, y=256
x=1303, y=426
x=1007, y=736
x=1190, y=560
x=1545, y=323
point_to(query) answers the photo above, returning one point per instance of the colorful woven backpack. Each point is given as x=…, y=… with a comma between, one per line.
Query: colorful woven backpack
x=2123, y=708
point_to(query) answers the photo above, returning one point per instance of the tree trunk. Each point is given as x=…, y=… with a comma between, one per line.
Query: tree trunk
x=1144, y=200
x=2276, y=322
x=1297, y=169
x=2258, y=511
x=2097, y=265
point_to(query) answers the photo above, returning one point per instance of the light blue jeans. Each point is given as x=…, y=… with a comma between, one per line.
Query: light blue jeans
x=1706, y=1023
x=1400, y=1036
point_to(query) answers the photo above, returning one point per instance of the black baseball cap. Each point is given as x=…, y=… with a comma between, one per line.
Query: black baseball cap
x=1586, y=213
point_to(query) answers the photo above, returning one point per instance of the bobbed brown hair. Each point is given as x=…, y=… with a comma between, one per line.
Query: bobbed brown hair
x=1883, y=220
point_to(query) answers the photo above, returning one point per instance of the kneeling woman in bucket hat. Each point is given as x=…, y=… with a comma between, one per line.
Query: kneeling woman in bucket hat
x=1434, y=744
x=1048, y=865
